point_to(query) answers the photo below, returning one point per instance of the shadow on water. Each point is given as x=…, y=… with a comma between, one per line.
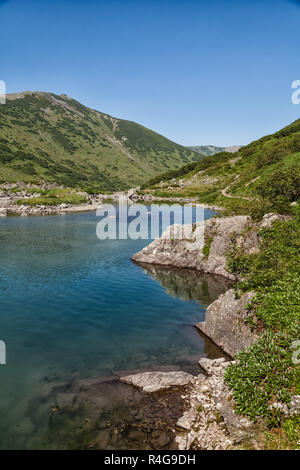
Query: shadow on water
x=188, y=284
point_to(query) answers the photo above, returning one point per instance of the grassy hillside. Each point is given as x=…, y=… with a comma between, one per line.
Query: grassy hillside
x=261, y=177
x=45, y=137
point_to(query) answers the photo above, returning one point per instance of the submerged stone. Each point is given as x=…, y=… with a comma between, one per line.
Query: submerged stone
x=157, y=381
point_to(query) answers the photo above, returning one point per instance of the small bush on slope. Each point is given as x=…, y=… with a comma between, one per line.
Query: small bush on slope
x=264, y=374
x=53, y=197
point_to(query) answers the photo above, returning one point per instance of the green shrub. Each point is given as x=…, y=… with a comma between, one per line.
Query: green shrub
x=278, y=307
x=278, y=256
x=265, y=373
x=54, y=197
x=282, y=186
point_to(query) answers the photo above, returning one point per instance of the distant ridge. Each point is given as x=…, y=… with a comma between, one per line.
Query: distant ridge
x=209, y=150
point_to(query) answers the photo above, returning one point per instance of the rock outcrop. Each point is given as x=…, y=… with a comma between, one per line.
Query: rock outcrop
x=210, y=421
x=156, y=381
x=11, y=193
x=225, y=323
x=204, y=246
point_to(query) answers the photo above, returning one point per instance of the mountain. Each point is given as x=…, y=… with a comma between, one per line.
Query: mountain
x=46, y=137
x=261, y=177
x=209, y=150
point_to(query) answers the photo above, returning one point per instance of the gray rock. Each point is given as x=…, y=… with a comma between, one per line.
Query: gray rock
x=157, y=381
x=132, y=193
x=182, y=245
x=209, y=364
x=186, y=420
x=203, y=423
x=288, y=411
x=269, y=219
x=225, y=323
x=210, y=421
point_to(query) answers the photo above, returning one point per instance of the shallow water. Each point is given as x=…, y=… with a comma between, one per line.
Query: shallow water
x=74, y=307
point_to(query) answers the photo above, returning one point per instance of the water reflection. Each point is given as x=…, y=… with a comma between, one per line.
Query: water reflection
x=188, y=284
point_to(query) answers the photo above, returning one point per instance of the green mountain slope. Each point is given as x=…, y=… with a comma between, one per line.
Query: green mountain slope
x=46, y=137
x=262, y=176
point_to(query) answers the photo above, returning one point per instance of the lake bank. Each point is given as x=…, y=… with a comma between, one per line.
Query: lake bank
x=217, y=416
x=48, y=199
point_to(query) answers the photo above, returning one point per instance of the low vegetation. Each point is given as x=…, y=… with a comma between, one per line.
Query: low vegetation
x=53, y=197
x=266, y=372
x=261, y=177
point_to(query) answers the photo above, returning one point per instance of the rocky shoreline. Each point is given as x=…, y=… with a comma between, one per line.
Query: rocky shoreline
x=11, y=193
x=9, y=198
x=24, y=210
x=210, y=421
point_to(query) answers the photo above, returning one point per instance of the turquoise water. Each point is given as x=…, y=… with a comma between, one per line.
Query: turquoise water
x=72, y=306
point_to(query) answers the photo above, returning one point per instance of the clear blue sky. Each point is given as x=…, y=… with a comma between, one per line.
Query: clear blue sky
x=199, y=72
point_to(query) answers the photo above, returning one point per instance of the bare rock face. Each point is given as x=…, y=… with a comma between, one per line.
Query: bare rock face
x=187, y=419
x=156, y=381
x=209, y=365
x=187, y=252
x=221, y=233
x=210, y=421
x=269, y=219
x=204, y=425
x=225, y=323
x=204, y=246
